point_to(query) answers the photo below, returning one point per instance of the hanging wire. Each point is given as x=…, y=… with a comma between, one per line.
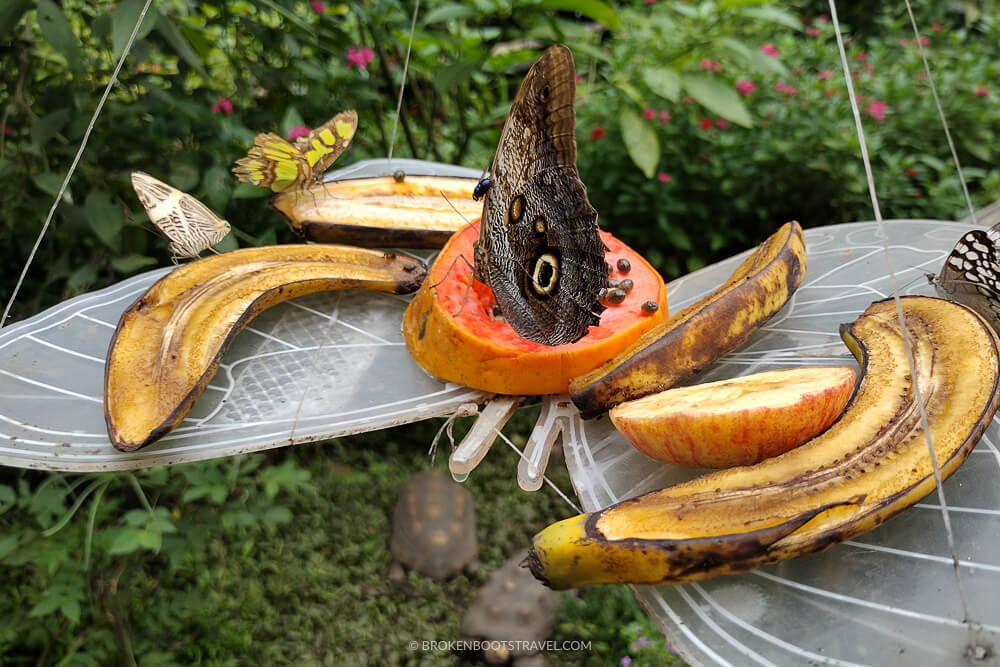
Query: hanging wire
x=940, y=110
x=402, y=83
x=899, y=309
x=72, y=167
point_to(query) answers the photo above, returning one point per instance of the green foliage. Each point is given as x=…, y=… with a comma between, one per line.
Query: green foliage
x=709, y=124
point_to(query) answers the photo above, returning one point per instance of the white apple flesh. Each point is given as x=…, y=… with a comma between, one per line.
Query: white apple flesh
x=739, y=421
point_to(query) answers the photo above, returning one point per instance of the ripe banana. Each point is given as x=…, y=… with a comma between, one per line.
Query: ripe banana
x=695, y=337
x=169, y=342
x=870, y=465
x=413, y=212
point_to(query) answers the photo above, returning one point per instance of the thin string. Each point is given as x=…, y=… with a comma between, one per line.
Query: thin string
x=940, y=110
x=402, y=84
x=72, y=167
x=899, y=307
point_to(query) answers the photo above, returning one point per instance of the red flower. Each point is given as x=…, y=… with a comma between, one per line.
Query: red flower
x=823, y=18
x=980, y=92
x=318, y=6
x=721, y=123
x=687, y=99
x=579, y=78
x=814, y=32
x=649, y=114
x=9, y=132
x=824, y=74
x=664, y=116
x=768, y=49
x=664, y=177
x=785, y=88
x=862, y=56
x=828, y=92
x=649, y=2
x=359, y=57
x=597, y=133
x=745, y=88
x=877, y=110
x=223, y=106
x=298, y=131
x=937, y=27
x=706, y=123
x=924, y=40
x=911, y=172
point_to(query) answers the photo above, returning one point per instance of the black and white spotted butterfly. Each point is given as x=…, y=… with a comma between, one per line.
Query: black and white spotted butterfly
x=188, y=225
x=971, y=274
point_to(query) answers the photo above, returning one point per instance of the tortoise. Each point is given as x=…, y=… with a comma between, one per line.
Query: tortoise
x=433, y=528
x=512, y=607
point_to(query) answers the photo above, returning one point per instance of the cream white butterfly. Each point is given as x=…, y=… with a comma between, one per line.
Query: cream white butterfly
x=188, y=225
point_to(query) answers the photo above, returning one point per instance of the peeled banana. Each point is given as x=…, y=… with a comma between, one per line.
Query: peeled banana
x=169, y=343
x=695, y=337
x=869, y=466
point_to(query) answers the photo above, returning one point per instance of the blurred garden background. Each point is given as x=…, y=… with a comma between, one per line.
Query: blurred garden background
x=701, y=126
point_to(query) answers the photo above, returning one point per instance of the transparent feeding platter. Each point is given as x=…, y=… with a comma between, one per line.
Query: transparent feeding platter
x=333, y=364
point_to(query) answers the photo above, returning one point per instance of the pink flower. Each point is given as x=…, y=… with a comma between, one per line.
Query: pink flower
x=785, y=88
x=664, y=116
x=824, y=74
x=649, y=114
x=359, y=57
x=579, y=78
x=721, y=123
x=813, y=31
x=877, y=110
x=904, y=43
x=649, y=2
x=687, y=99
x=706, y=63
x=705, y=123
x=745, y=88
x=937, y=27
x=299, y=131
x=626, y=661
x=9, y=132
x=711, y=65
x=768, y=49
x=597, y=133
x=924, y=40
x=862, y=56
x=823, y=18
x=980, y=92
x=664, y=177
x=223, y=106
x=318, y=6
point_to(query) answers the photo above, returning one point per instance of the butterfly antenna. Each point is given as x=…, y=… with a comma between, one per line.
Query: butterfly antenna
x=455, y=208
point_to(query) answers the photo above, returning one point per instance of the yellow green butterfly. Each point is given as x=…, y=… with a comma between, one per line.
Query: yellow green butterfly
x=279, y=164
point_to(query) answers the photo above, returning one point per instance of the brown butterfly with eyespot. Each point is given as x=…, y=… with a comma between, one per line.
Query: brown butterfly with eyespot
x=971, y=274
x=539, y=249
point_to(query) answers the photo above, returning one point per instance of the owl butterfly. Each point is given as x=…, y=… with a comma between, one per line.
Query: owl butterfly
x=279, y=164
x=188, y=225
x=539, y=248
x=971, y=274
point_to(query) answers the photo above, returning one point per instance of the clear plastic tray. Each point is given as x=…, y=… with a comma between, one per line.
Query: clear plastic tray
x=889, y=597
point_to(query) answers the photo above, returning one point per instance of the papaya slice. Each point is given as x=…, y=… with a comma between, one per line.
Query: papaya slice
x=452, y=332
x=414, y=212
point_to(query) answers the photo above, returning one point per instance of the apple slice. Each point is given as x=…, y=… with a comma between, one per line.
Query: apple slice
x=739, y=421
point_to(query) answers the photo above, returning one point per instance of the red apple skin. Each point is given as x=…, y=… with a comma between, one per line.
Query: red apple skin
x=736, y=422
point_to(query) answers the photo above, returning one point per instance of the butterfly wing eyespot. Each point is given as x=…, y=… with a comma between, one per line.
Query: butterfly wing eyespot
x=545, y=277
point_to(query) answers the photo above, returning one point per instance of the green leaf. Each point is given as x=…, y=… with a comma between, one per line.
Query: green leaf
x=774, y=15
x=449, y=13
x=125, y=541
x=45, y=606
x=592, y=9
x=11, y=13
x=215, y=185
x=664, y=81
x=641, y=142
x=250, y=191
x=291, y=118
x=71, y=610
x=177, y=39
x=49, y=183
x=82, y=278
x=48, y=126
x=718, y=98
x=451, y=76
x=57, y=31
x=228, y=243
x=7, y=545
x=132, y=263
x=151, y=539
x=123, y=20
x=758, y=61
x=105, y=218
x=184, y=176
